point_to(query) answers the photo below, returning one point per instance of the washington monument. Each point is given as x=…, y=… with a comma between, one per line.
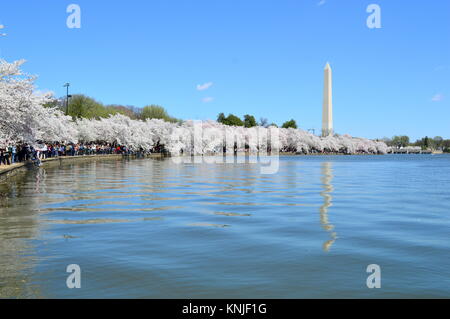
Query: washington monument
x=327, y=117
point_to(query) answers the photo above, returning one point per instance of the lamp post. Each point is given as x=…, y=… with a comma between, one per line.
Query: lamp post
x=67, y=97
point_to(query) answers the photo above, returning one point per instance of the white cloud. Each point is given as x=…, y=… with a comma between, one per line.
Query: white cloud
x=203, y=87
x=321, y=2
x=437, y=98
x=207, y=99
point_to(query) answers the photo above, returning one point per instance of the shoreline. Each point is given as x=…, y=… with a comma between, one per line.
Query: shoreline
x=10, y=170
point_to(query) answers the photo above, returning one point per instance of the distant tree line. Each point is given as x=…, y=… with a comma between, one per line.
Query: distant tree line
x=435, y=143
x=250, y=121
x=81, y=106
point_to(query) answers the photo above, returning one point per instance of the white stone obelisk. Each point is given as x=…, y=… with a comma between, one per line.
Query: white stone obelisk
x=327, y=117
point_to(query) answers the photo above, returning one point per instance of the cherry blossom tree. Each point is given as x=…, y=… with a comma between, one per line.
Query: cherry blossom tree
x=23, y=115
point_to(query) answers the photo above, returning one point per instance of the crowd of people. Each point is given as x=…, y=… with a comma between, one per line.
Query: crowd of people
x=18, y=153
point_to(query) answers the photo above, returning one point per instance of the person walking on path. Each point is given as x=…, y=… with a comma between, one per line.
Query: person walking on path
x=13, y=151
x=4, y=156
x=1, y=155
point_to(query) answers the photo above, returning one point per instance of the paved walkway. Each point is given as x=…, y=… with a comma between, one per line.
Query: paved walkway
x=9, y=168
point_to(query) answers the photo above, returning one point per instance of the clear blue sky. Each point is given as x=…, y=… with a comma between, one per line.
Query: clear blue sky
x=264, y=58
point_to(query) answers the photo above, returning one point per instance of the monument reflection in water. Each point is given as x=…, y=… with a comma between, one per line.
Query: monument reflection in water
x=327, y=178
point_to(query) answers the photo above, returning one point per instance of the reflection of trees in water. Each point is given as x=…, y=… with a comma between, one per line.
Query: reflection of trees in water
x=29, y=194
x=326, y=179
x=18, y=225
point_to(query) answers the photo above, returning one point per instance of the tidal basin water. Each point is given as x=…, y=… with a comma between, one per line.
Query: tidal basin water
x=155, y=229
